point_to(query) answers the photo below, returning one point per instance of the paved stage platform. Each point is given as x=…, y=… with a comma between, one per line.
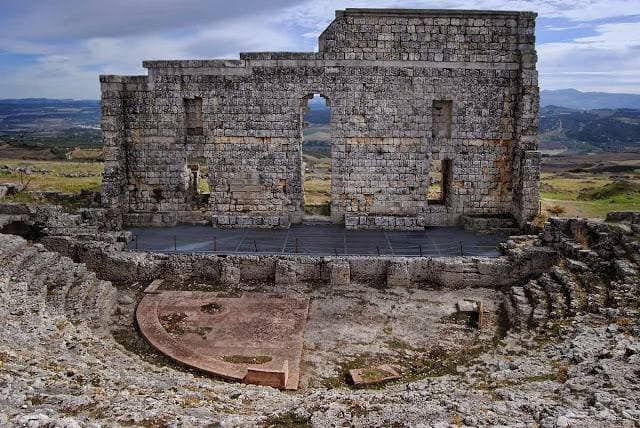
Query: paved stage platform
x=254, y=339
x=321, y=239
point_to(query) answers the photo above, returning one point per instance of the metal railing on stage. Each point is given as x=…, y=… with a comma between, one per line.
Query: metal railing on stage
x=293, y=245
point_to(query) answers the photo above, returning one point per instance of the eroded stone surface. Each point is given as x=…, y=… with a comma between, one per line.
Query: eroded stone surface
x=567, y=357
x=373, y=375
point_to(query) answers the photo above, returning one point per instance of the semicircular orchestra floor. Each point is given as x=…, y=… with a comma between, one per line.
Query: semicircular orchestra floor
x=305, y=336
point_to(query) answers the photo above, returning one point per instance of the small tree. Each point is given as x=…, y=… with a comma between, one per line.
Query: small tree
x=24, y=178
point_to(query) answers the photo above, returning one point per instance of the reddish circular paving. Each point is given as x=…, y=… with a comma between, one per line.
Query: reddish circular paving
x=254, y=339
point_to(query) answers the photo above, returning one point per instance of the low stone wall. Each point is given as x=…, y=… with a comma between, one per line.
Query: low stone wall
x=110, y=261
x=52, y=220
x=485, y=223
x=83, y=238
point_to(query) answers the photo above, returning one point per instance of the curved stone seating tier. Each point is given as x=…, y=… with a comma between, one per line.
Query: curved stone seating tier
x=255, y=339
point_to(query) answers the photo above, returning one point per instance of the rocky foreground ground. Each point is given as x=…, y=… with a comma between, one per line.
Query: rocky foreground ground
x=563, y=362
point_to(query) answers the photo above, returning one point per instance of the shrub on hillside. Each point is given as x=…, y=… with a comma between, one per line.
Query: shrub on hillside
x=610, y=190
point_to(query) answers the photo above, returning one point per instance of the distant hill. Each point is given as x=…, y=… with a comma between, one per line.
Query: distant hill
x=575, y=99
x=319, y=113
x=71, y=123
x=45, y=101
x=42, y=115
x=582, y=130
x=42, y=122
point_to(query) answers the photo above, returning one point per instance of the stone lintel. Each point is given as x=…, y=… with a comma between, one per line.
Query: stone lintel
x=432, y=12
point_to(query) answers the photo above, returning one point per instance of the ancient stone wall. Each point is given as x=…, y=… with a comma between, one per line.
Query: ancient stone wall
x=405, y=87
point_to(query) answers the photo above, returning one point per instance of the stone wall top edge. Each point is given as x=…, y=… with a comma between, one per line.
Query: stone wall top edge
x=432, y=12
x=112, y=78
x=319, y=59
x=328, y=258
x=194, y=63
x=280, y=55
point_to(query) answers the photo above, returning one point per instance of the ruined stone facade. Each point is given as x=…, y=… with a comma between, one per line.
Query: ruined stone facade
x=406, y=87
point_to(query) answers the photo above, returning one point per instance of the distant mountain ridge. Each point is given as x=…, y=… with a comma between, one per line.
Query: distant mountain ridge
x=319, y=113
x=584, y=130
x=44, y=115
x=46, y=101
x=572, y=98
x=561, y=126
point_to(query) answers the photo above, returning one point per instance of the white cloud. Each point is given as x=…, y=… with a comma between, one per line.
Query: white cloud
x=53, y=77
x=72, y=70
x=316, y=14
x=75, y=40
x=609, y=60
x=51, y=20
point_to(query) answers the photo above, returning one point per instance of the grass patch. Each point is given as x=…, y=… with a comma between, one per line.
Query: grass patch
x=322, y=209
x=59, y=176
x=540, y=220
x=22, y=198
x=190, y=401
x=622, y=188
x=173, y=323
x=375, y=374
x=555, y=209
x=288, y=420
x=317, y=191
x=84, y=154
x=541, y=378
x=243, y=359
x=587, y=195
x=439, y=362
x=211, y=308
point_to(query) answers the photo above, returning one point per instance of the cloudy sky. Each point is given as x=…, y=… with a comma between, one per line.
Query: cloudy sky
x=57, y=48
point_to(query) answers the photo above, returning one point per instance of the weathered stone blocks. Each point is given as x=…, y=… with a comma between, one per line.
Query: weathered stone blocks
x=406, y=87
x=340, y=273
x=229, y=274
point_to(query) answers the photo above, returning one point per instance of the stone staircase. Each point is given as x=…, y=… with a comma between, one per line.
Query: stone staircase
x=504, y=224
x=550, y=297
x=598, y=273
x=34, y=280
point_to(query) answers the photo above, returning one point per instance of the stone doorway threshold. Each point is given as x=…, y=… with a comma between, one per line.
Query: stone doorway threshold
x=254, y=339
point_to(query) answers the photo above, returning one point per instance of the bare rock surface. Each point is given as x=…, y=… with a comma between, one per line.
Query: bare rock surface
x=569, y=355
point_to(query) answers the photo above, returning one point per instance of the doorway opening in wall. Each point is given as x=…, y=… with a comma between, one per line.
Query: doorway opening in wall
x=439, y=179
x=199, y=182
x=316, y=156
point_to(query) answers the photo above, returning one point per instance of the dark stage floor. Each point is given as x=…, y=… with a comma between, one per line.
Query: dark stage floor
x=323, y=239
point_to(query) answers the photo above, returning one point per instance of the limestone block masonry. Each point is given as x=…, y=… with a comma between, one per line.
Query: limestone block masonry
x=406, y=87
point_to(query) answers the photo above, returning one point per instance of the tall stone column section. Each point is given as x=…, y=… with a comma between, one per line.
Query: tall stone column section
x=526, y=162
x=114, y=180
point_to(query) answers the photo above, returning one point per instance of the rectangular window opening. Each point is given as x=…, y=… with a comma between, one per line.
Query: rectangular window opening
x=316, y=155
x=439, y=177
x=193, y=115
x=441, y=117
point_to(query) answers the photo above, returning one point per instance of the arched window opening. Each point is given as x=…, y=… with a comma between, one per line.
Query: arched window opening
x=316, y=156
